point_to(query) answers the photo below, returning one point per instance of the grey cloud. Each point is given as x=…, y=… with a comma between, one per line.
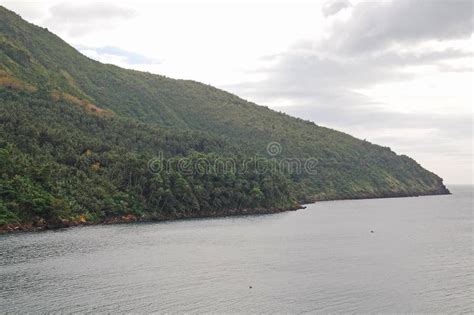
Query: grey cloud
x=376, y=25
x=308, y=77
x=377, y=44
x=378, y=118
x=342, y=108
x=314, y=73
x=334, y=6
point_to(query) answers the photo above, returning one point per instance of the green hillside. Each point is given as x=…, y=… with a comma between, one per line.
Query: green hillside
x=77, y=137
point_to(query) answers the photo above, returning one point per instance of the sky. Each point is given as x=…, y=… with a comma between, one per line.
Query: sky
x=397, y=73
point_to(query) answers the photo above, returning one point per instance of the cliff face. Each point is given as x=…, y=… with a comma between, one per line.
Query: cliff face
x=77, y=138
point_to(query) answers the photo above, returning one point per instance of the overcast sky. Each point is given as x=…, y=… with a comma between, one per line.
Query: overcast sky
x=397, y=73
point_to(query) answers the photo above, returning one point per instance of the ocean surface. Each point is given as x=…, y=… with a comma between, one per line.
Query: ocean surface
x=419, y=258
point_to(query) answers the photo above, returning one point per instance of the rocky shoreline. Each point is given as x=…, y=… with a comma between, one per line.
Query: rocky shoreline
x=42, y=225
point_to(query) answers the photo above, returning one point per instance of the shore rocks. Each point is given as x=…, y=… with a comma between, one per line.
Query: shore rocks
x=40, y=224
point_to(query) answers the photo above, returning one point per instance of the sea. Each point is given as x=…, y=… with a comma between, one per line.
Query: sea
x=395, y=255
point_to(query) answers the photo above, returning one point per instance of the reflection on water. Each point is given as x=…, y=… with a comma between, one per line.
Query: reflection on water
x=324, y=258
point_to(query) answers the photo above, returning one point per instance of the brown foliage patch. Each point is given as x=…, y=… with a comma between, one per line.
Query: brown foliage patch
x=15, y=84
x=89, y=107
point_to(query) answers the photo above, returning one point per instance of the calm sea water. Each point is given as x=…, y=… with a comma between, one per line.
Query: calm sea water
x=322, y=259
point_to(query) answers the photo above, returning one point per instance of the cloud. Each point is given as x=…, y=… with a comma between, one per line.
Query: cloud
x=455, y=68
x=79, y=19
x=380, y=118
x=317, y=74
x=376, y=25
x=307, y=76
x=68, y=12
x=323, y=71
x=109, y=53
x=334, y=6
x=377, y=43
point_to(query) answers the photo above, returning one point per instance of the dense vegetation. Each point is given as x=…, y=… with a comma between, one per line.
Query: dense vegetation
x=77, y=137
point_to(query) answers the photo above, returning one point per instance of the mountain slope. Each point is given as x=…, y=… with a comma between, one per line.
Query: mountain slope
x=58, y=104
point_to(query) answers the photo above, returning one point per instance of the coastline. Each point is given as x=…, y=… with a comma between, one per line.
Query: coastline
x=441, y=191
x=42, y=225
x=130, y=218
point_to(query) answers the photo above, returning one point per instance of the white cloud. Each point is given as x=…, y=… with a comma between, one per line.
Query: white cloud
x=115, y=55
x=78, y=19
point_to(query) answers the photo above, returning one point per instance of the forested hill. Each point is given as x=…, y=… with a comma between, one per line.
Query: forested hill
x=77, y=137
